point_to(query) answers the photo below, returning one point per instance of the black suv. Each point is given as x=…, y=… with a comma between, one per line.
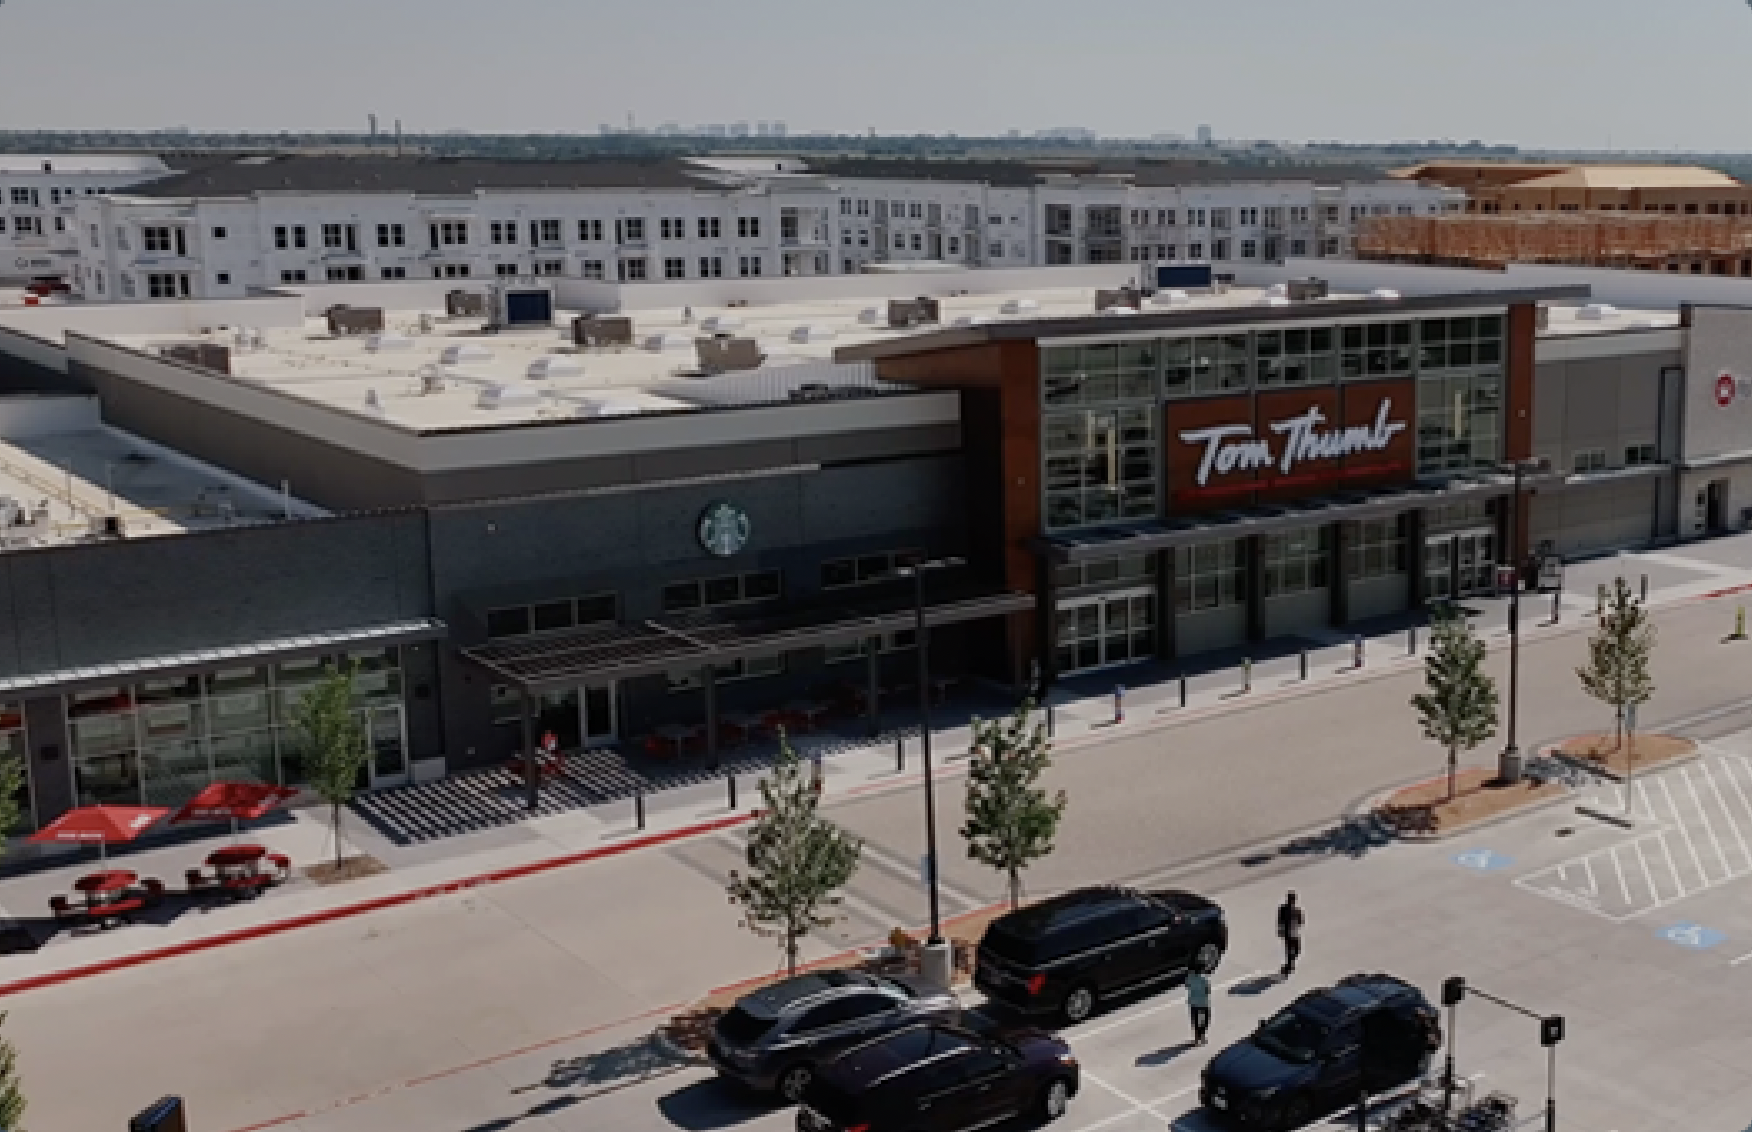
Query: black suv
x=1063, y=955
x=773, y=1038
x=940, y=1078
x=1318, y=1054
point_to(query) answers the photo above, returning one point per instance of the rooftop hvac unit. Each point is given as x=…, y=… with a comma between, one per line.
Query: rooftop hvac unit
x=1384, y=294
x=921, y=311
x=1019, y=306
x=207, y=355
x=1596, y=312
x=1129, y=298
x=657, y=343
x=812, y=333
x=345, y=320
x=465, y=354
x=106, y=526
x=377, y=343
x=1170, y=299
x=465, y=304
x=553, y=366
x=726, y=354
x=1302, y=290
x=508, y=396
x=602, y=330
x=514, y=307
x=720, y=323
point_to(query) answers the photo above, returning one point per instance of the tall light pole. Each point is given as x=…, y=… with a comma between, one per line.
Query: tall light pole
x=936, y=952
x=1509, y=763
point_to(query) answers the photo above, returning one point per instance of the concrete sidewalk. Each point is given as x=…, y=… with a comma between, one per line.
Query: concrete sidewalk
x=1081, y=717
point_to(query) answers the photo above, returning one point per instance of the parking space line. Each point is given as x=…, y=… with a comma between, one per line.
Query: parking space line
x=1623, y=884
x=1672, y=867
x=1137, y=1105
x=1727, y=812
x=1708, y=826
x=1179, y=999
x=1740, y=960
x=1690, y=845
x=1593, y=885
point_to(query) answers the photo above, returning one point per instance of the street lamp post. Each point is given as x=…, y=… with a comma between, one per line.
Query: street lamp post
x=936, y=960
x=1509, y=763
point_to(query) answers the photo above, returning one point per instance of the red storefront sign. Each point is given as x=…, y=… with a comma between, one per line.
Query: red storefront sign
x=1281, y=446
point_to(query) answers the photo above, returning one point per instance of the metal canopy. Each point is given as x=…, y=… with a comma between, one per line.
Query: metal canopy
x=684, y=644
x=1088, y=546
x=75, y=679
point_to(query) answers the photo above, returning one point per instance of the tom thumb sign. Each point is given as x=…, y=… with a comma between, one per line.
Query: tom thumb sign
x=1304, y=438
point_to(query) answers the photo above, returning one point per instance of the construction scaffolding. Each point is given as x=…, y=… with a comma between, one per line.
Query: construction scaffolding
x=1649, y=241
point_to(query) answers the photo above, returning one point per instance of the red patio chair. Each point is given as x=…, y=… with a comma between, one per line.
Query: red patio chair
x=282, y=867
x=154, y=890
x=63, y=910
x=197, y=880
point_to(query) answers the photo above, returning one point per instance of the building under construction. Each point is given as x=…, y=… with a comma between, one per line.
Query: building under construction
x=1645, y=241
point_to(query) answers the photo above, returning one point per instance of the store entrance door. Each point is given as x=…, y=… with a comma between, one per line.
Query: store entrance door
x=387, y=733
x=1459, y=564
x=598, y=717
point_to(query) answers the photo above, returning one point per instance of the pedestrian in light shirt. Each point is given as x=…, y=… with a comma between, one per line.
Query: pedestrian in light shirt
x=1198, y=1001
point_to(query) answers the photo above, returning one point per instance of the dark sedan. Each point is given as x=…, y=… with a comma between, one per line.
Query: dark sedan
x=939, y=1078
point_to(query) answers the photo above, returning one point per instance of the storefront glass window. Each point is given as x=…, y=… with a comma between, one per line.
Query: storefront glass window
x=1210, y=575
x=1128, y=570
x=1459, y=421
x=1376, y=548
x=1100, y=466
x=1294, y=562
x=1101, y=631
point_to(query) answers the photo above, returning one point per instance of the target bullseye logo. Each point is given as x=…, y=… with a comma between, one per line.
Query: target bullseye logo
x=1724, y=390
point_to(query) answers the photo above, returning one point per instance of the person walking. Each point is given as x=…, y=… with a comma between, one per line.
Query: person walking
x=1198, y=1001
x=1289, y=929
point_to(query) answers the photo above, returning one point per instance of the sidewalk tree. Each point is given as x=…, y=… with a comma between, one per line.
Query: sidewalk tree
x=1011, y=819
x=12, y=1102
x=1459, y=707
x=11, y=785
x=797, y=860
x=1617, y=672
x=336, y=746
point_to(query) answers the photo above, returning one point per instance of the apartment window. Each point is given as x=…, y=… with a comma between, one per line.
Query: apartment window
x=154, y=239
x=352, y=274
x=1375, y=350
x=550, y=616
x=128, y=285
x=449, y=232
x=863, y=208
x=916, y=210
x=845, y=206
x=918, y=242
x=846, y=237
x=900, y=241
x=1299, y=214
x=26, y=197
x=218, y=233
x=167, y=285
x=1295, y=357
x=590, y=230
x=1249, y=249
x=673, y=228
x=863, y=237
x=1357, y=212
x=295, y=275
x=1639, y=454
x=711, y=267
x=710, y=228
x=505, y=269
x=729, y=589
x=54, y=196
x=392, y=273
x=1249, y=217
x=1298, y=247
x=630, y=230
x=1332, y=213
x=748, y=227
x=1220, y=249
x=857, y=650
x=1210, y=575
x=1294, y=562
x=633, y=270
x=503, y=231
x=331, y=236
x=748, y=265
x=1274, y=218
x=954, y=244
x=996, y=249
x=450, y=271
x=1329, y=246
x=298, y=237
x=391, y=236
x=591, y=269
x=675, y=268
x=97, y=276
x=1220, y=217
x=1589, y=460
x=550, y=267
x=1195, y=251
x=546, y=231
x=840, y=573
x=222, y=278
x=1375, y=548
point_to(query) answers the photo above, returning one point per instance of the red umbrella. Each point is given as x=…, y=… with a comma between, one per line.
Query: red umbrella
x=233, y=802
x=102, y=824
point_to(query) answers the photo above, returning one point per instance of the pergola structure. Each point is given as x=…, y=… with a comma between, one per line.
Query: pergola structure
x=704, y=643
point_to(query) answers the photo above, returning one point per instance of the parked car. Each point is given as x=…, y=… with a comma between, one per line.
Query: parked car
x=1064, y=955
x=1318, y=1054
x=774, y=1038
x=941, y=1078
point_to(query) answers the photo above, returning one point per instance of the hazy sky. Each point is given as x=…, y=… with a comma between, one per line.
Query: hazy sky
x=1558, y=73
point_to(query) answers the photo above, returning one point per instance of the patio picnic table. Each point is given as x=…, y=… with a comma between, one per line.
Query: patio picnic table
x=239, y=868
x=108, y=886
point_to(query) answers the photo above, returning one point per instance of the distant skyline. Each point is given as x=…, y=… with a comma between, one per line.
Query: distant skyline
x=1559, y=74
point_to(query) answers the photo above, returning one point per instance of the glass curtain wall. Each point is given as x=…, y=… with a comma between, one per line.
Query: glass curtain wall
x=159, y=742
x=1101, y=442
x=1459, y=394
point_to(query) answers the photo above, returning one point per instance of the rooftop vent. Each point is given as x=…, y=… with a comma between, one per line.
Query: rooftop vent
x=465, y=354
x=498, y=395
x=465, y=304
x=553, y=366
x=725, y=354
x=1274, y=301
x=719, y=323
x=1277, y=290
x=869, y=316
x=345, y=320
x=1305, y=290
x=1385, y=294
x=602, y=330
x=1596, y=312
x=812, y=332
x=1019, y=306
x=659, y=342
x=380, y=342
x=1129, y=297
x=1170, y=299
x=921, y=311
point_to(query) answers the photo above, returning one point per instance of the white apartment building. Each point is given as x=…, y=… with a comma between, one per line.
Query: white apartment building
x=267, y=221
x=37, y=195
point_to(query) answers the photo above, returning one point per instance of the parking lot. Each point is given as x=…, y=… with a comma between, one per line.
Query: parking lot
x=1654, y=985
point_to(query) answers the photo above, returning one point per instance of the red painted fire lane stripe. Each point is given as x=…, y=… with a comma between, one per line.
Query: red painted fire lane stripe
x=329, y=915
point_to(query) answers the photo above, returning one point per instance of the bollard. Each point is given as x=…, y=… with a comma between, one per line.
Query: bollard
x=1119, y=703
x=900, y=752
x=1644, y=590
x=638, y=809
x=1556, y=605
x=1358, y=649
x=730, y=778
x=815, y=761
x=1740, y=624
x=1304, y=663
x=1049, y=721
x=1247, y=674
x=1411, y=641
x=1183, y=689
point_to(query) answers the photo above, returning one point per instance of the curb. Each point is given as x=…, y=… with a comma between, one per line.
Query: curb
x=376, y=904
x=1370, y=807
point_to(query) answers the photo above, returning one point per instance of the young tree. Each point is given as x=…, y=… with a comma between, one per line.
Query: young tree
x=1011, y=819
x=12, y=1102
x=1459, y=710
x=796, y=859
x=1617, y=672
x=336, y=746
x=11, y=782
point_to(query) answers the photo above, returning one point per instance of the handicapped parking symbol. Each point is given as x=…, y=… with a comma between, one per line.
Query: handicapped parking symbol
x=1483, y=860
x=1694, y=936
